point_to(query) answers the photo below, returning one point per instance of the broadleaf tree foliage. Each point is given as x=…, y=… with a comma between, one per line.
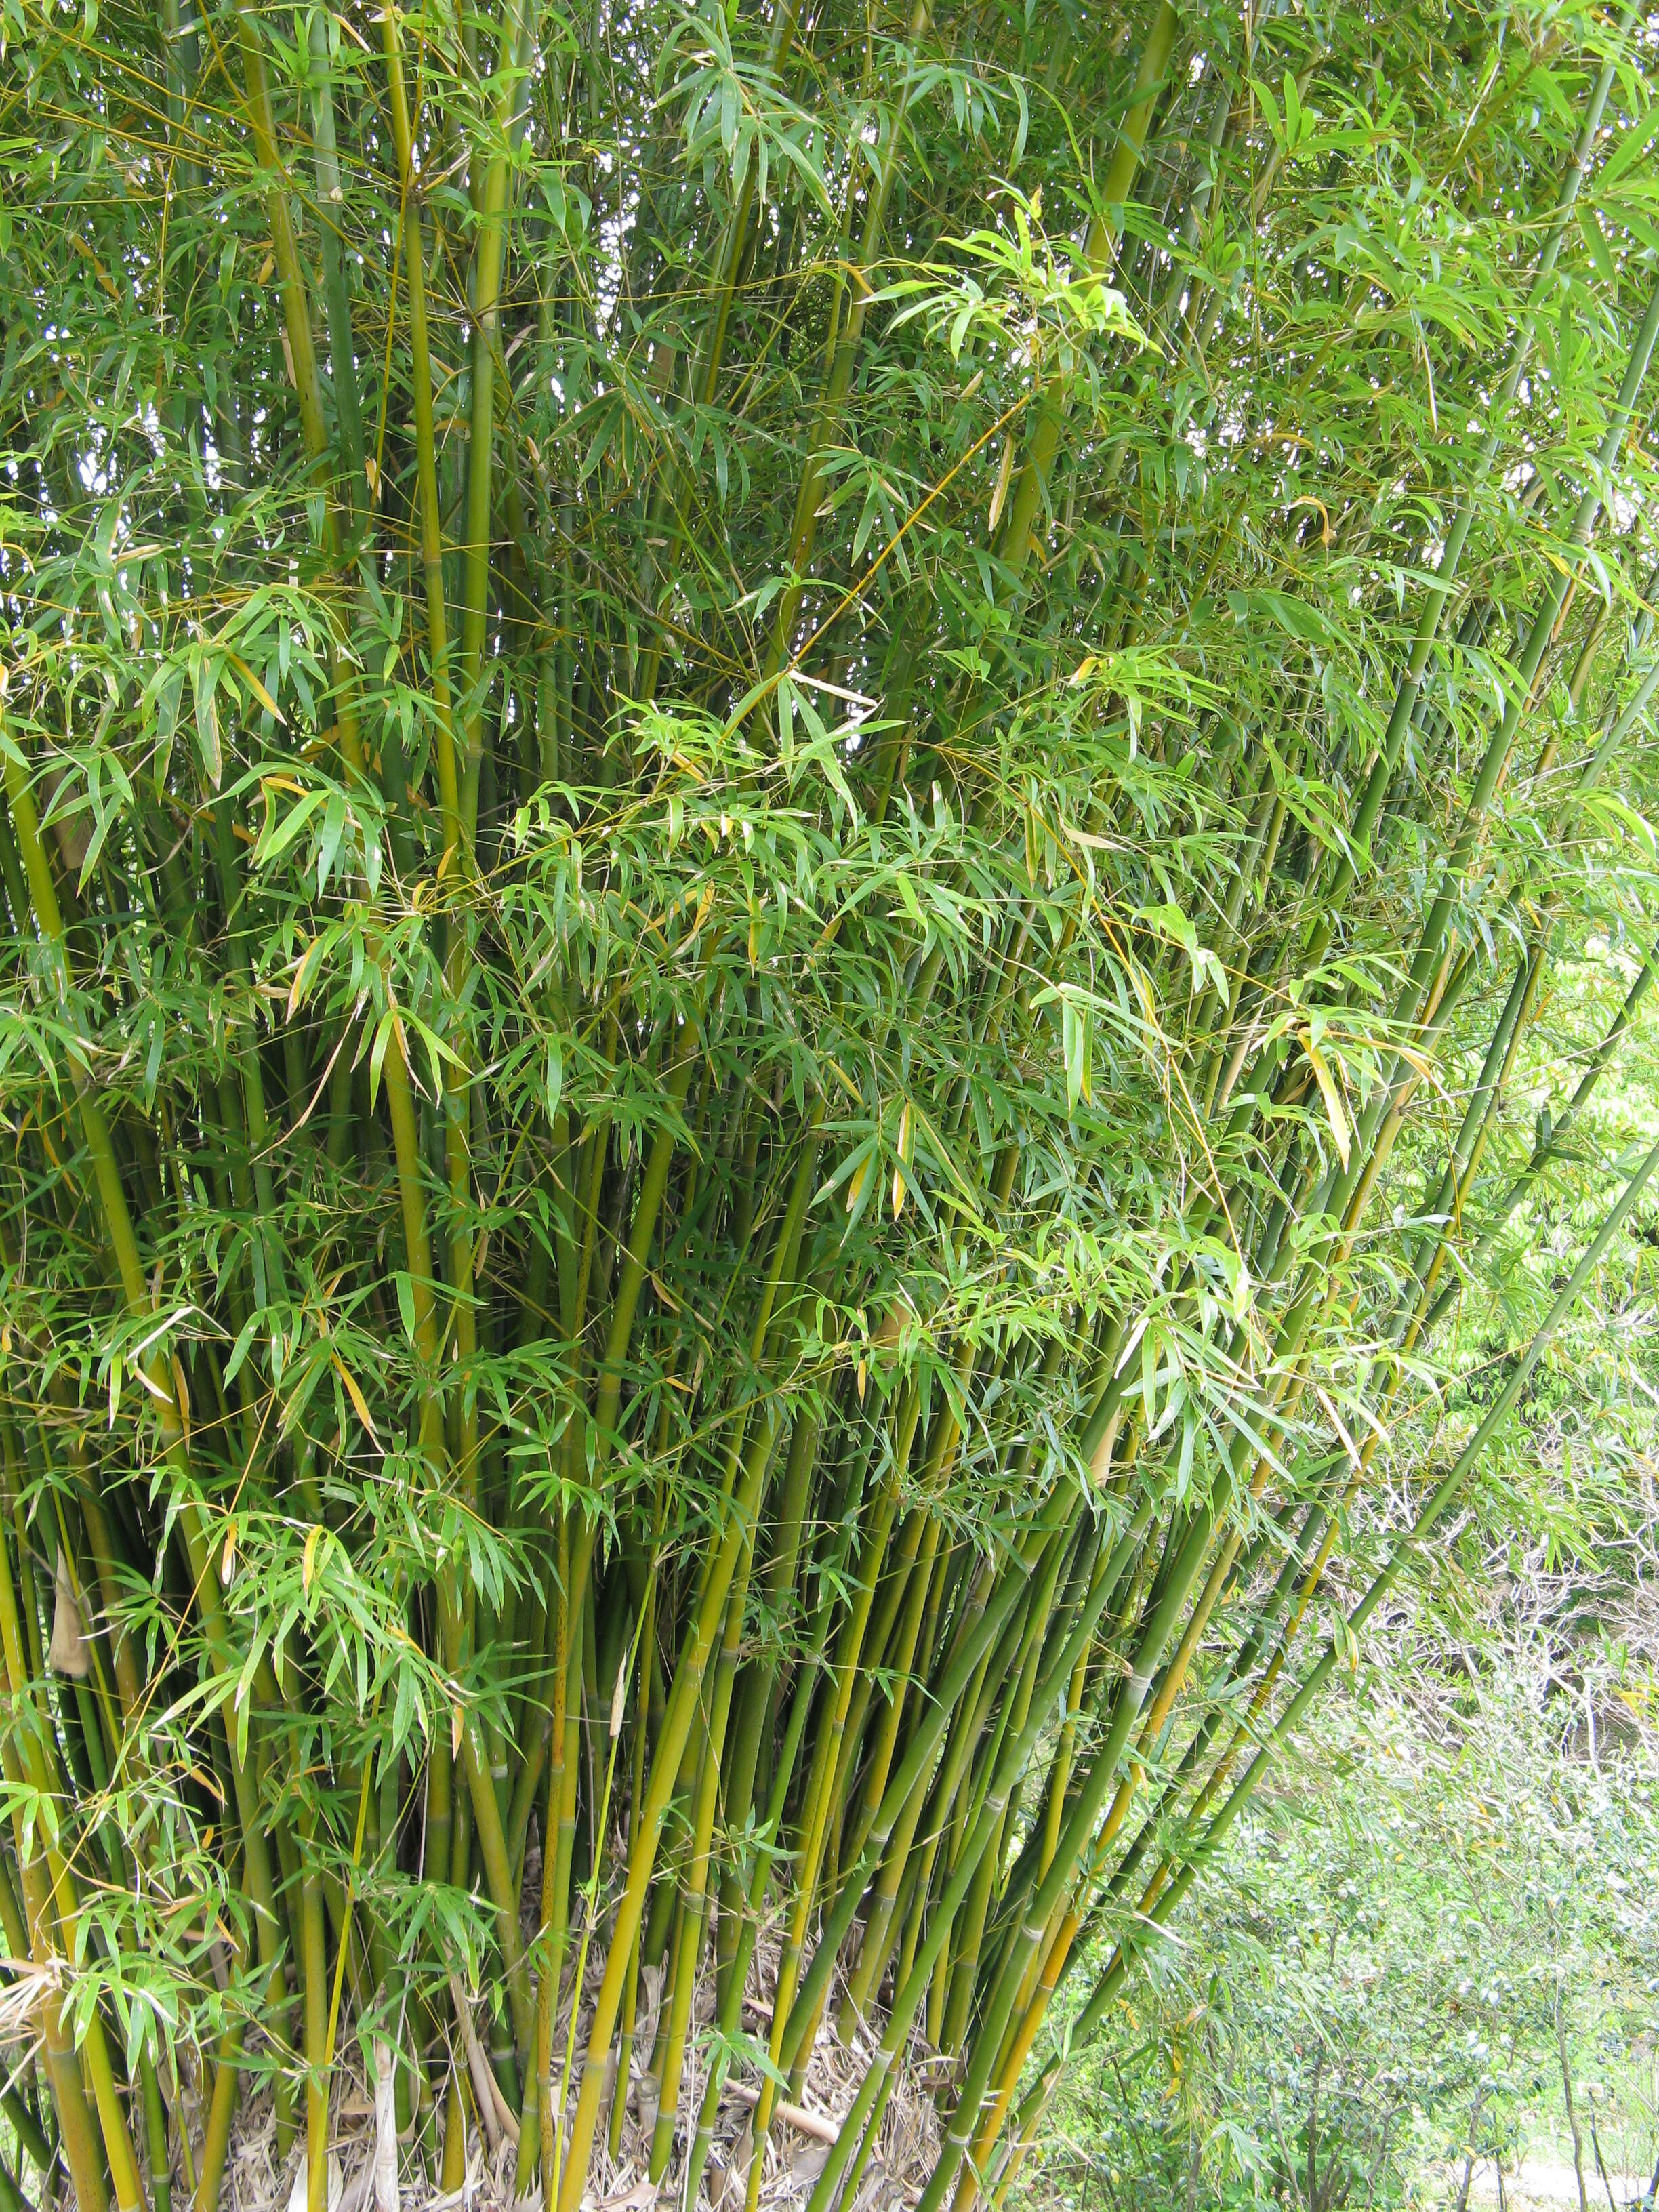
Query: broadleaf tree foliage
x=784, y=784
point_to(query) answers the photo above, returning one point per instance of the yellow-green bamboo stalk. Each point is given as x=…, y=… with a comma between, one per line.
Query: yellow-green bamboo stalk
x=1105, y=230
x=432, y=567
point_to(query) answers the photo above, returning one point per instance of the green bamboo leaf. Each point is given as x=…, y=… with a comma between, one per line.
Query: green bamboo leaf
x=1635, y=142
x=204, y=677
x=385, y=1031
x=1600, y=259
x=168, y=693
x=1076, y=1049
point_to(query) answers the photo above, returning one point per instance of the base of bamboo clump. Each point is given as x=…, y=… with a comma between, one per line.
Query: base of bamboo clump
x=795, y=2152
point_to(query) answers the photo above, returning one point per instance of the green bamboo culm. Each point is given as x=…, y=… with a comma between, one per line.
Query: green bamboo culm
x=791, y=797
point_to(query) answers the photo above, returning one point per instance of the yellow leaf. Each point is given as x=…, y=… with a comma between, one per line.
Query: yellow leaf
x=1004, y=477
x=1354, y=1460
x=1332, y=1097
x=181, y=1398
x=227, y=1557
x=355, y=1394
x=308, y=1565
x=253, y=681
x=302, y=975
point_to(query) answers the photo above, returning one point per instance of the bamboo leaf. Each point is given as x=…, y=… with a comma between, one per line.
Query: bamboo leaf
x=1331, y=1093
x=204, y=677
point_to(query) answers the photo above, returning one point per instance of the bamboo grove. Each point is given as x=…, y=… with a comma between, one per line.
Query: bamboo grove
x=786, y=786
